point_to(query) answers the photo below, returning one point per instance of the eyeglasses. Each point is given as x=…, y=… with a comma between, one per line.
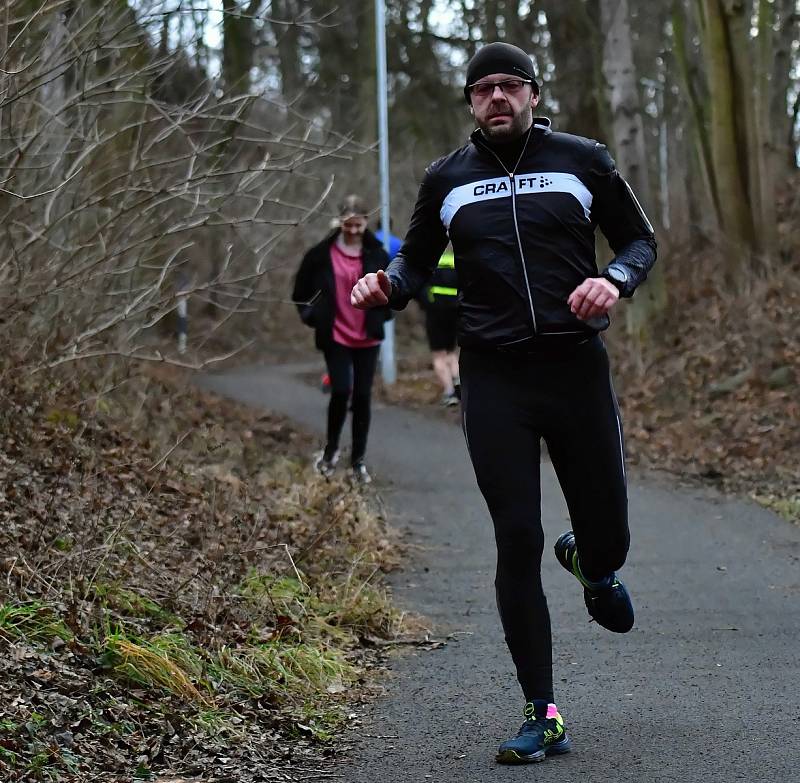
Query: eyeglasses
x=508, y=87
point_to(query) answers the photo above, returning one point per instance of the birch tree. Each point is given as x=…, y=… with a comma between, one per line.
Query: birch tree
x=622, y=84
x=621, y=80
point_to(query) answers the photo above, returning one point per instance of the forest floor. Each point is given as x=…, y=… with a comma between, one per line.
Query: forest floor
x=182, y=595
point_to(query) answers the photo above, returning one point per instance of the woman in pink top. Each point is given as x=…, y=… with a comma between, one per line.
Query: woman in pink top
x=349, y=338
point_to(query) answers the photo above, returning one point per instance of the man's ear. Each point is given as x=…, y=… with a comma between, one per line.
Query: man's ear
x=534, y=99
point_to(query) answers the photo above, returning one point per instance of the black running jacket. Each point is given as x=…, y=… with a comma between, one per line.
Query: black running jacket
x=523, y=240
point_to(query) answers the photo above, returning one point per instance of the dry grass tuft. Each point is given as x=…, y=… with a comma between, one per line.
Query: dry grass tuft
x=153, y=667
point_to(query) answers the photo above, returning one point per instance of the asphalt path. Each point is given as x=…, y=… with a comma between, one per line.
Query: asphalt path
x=706, y=687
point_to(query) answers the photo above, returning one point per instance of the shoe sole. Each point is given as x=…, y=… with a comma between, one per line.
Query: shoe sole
x=512, y=757
x=556, y=749
x=561, y=548
x=615, y=627
x=559, y=748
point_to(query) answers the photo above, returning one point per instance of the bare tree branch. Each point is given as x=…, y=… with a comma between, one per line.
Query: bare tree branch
x=117, y=204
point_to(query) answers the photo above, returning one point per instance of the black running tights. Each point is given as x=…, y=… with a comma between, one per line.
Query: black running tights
x=351, y=370
x=509, y=403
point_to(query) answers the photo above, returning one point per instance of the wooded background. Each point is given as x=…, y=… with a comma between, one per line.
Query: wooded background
x=181, y=594
x=152, y=148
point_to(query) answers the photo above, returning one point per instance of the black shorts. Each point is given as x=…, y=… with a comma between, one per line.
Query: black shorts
x=441, y=326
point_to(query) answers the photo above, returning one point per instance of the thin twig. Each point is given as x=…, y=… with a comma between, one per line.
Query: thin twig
x=175, y=446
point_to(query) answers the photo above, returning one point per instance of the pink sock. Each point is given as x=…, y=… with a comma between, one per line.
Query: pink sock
x=552, y=711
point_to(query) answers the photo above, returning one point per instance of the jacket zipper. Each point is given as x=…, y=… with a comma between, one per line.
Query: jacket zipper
x=516, y=225
x=521, y=252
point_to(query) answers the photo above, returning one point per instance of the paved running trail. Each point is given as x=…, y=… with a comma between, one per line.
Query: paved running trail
x=705, y=688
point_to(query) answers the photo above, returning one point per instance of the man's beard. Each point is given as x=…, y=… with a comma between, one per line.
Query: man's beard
x=518, y=125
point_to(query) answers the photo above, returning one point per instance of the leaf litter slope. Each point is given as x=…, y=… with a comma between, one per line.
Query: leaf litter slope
x=181, y=594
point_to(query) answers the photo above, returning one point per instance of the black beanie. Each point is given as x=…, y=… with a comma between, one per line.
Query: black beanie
x=499, y=58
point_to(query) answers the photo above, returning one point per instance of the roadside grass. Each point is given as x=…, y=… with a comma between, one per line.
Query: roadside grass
x=33, y=622
x=169, y=662
x=343, y=609
x=128, y=602
x=222, y=605
x=786, y=507
x=299, y=657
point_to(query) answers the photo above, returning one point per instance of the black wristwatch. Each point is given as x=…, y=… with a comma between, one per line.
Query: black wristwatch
x=617, y=276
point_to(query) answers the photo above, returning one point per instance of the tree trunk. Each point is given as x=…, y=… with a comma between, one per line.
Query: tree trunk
x=425, y=93
x=623, y=91
x=761, y=144
x=575, y=51
x=621, y=79
x=728, y=158
x=367, y=76
x=520, y=29
x=337, y=66
x=792, y=133
x=237, y=44
x=780, y=118
x=696, y=103
x=490, y=14
x=287, y=36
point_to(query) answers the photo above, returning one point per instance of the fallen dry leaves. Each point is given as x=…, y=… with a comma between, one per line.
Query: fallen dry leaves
x=715, y=396
x=147, y=515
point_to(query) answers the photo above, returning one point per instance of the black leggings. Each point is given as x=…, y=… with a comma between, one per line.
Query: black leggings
x=350, y=370
x=509, y=403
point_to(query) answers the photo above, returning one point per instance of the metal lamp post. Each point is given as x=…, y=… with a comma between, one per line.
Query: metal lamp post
x=388, y=358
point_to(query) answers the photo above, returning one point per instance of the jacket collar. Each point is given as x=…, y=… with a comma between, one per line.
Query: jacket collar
x=538, y=132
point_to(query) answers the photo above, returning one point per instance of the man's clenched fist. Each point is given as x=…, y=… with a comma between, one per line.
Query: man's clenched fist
x=372, y=290
x=593, y=297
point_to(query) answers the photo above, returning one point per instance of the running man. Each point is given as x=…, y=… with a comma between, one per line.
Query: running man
x=520, y=204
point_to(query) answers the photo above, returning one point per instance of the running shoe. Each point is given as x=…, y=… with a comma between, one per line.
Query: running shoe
x=449, y=400
x=325, y=467
x=536, y=739
x=361, y=474
x=608, y=601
